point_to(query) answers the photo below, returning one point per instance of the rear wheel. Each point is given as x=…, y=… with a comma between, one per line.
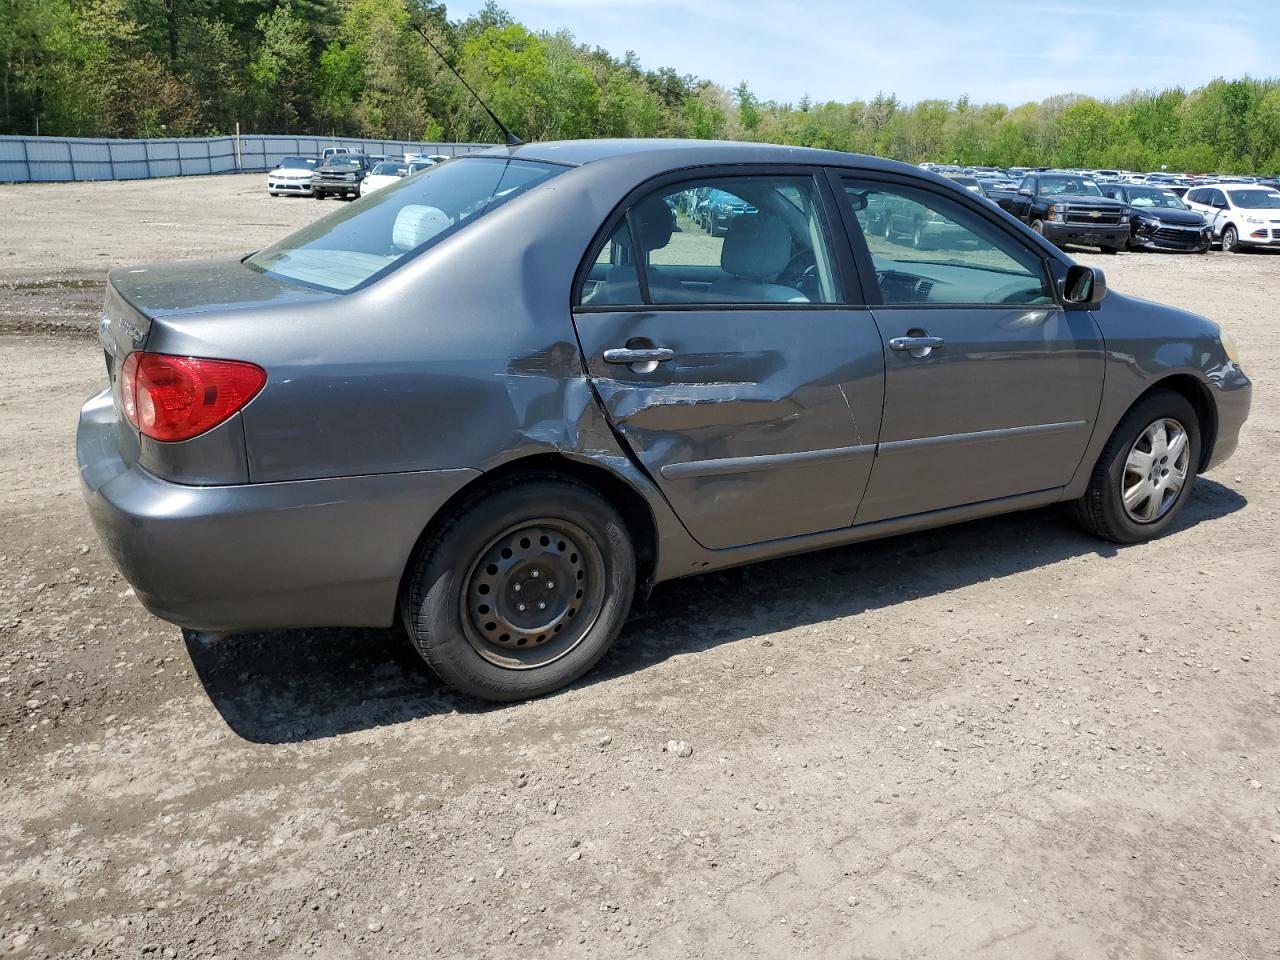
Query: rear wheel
x=1145, y=473
x=1230, y=240
x=1110, y=250
x=522, y=590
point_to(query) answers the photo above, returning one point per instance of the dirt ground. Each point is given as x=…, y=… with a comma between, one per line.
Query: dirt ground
x=1000, y=740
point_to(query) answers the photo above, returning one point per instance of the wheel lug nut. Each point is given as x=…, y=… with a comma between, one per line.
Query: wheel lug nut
x=551, y=584
x=534, y=574
x=520, y=607
x=542, y=606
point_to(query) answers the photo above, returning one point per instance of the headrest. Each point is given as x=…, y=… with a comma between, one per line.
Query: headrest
x=654, y=222
x=416, y=224
x=757, y=246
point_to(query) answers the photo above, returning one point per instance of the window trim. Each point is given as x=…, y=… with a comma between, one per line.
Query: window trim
x=846, y=273
x=862, y=252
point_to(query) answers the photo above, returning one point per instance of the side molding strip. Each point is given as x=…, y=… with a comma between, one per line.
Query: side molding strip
x=981, y=436
x=730, y=465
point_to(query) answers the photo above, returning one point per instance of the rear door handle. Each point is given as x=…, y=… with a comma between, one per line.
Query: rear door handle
x=919, y=346
x=638, y=355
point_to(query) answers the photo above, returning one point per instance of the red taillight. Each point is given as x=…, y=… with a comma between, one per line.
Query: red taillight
x=177, y=398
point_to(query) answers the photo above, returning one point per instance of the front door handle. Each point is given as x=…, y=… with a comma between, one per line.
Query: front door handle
x=918, y=346
x=639, y=359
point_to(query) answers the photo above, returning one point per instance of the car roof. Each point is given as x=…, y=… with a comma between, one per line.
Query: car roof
x=676, y=153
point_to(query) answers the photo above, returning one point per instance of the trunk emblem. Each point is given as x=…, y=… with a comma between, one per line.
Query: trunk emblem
x=136, y=335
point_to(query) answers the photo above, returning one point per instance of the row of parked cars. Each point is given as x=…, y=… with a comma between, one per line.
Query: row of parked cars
x=1115, y=210
x=343, y=173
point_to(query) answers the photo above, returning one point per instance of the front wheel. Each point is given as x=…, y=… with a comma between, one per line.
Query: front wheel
x=522, y=590
x=1230, y=240
x=1038, y=226
x=1110, y=250
x=1145, y=472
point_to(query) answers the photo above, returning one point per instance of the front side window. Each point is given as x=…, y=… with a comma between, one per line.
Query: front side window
x=359, y=243
x=926, y=248
x=721, y=240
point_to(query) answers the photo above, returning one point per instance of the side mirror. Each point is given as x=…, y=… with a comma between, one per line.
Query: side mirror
x=1025, y=192
x=1085, y=286
x=857, y=199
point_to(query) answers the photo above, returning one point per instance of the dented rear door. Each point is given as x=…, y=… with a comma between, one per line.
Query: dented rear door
x=762, y=422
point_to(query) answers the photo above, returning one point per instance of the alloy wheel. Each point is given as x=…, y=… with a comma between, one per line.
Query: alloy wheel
x=1155, y=471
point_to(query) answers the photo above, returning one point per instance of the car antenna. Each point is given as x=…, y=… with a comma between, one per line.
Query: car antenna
x=512, y=139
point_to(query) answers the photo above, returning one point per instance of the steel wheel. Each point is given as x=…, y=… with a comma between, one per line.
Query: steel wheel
x=533, y=594
x=1155, y=471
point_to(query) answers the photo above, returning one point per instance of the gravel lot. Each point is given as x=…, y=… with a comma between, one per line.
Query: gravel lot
x=1000, y=740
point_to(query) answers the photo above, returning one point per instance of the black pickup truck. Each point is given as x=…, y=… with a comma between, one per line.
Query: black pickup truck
x=1067, y=208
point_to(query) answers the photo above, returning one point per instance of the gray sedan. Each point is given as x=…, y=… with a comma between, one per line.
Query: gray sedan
x=498, y=401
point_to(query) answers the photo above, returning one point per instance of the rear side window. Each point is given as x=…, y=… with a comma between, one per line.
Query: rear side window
x=718, y=240
x=927, y=248
x=361, y=242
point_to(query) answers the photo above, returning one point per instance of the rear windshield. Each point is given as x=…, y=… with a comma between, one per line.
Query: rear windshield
x=298, y=162
x=359, y=243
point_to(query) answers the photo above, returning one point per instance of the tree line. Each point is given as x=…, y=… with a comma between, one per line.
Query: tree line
x=146, y=68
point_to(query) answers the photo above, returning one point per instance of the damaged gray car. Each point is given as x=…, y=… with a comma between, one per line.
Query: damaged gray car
x=502, y=398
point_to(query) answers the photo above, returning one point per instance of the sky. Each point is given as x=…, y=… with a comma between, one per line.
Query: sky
x=1004, y=51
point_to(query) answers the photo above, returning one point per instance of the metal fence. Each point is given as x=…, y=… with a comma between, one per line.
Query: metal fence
x=53, y=159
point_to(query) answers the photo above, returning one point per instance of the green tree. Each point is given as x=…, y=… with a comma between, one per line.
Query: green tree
x=281, y=72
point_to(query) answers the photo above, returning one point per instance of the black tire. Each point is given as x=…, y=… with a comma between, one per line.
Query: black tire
x=1101, y=510
x=1038, y=226
x=918, y=239
x=1109, y=250
x=1230, y=240
x=443, y=606
x=318, y=194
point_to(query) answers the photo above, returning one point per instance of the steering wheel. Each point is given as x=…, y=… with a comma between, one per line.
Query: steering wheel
x=801, y=266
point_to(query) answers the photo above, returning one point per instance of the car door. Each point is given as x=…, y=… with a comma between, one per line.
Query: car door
x=731, y=365
x=1219, y=211
x=991, y=388
x=1020, y=204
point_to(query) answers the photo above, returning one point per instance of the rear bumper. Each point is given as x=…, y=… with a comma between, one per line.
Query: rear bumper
x=256, y=556
x=1086, y=235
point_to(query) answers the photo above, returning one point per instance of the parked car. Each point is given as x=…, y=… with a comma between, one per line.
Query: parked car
x=292, y=175
x=340, y=176
x=717, y=209
x=389, y=172
x=968, y=182
x=1069, y=208
x=1239, y=216
x=328, y=152
x=1158, y=220
x=497, y=402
